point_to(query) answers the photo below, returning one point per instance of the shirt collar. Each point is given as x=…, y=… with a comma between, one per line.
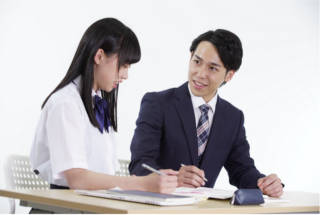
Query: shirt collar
x=94, y=93
x=198, y=100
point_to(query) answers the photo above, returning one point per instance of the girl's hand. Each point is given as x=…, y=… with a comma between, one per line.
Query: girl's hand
x=161, y=183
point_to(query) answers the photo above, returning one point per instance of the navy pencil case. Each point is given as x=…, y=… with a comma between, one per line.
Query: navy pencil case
x=247, y=197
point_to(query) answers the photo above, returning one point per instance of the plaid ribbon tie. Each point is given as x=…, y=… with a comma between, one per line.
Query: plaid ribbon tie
x=203, y=128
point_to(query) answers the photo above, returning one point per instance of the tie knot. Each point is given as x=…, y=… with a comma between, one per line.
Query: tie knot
x=100, y=102
x=204, y=108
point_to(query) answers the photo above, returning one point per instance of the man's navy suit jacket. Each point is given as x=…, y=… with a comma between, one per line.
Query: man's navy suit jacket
x=165, y=138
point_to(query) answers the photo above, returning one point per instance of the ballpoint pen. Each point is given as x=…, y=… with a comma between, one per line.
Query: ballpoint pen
x=152, y=169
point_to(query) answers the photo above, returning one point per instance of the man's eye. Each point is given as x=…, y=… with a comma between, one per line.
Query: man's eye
x=212, y=68
x=196, y=61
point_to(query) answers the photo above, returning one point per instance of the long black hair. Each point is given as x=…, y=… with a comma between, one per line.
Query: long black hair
x=113, y=37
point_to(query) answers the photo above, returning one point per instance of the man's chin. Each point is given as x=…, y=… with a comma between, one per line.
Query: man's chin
x=196, y=93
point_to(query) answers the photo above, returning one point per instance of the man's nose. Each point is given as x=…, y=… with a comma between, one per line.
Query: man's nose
x=201, y=73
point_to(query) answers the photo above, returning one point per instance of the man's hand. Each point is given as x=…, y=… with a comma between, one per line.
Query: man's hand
x=271, y=185
x=190, y=176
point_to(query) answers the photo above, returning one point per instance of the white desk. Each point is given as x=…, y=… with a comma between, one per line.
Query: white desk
x=67, y=201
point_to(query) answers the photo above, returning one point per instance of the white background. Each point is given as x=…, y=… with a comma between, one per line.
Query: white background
x=277, y=85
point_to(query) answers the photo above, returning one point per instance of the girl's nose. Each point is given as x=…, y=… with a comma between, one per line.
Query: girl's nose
x=123, y=74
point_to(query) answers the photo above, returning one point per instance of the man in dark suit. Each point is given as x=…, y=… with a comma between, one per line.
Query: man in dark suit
x=193, y=130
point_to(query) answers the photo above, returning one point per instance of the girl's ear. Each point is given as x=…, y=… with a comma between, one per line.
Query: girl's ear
x=99, y=56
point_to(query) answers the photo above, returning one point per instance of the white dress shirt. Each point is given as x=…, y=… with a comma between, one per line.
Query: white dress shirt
x=66, y=139
x=197, y=101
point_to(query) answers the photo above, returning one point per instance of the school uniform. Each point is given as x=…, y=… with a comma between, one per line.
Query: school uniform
x=66, y=139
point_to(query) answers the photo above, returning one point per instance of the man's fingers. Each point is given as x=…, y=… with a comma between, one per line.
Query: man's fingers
x=190, y=178
x=276, y=193
x=275, y=189
x=191, y=175
x=274, y=185
x=194, y=169
x=272, y=191
x=192, y=182
x=270, y=185
x=194, y=177
x=186, y=185
x=268, y=180
x=260, y=181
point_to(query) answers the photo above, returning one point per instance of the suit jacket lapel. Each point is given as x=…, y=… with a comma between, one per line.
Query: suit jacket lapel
x=185, y=111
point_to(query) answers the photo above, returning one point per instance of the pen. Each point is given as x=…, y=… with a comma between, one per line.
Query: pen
x=204, y=178
x=152, y=169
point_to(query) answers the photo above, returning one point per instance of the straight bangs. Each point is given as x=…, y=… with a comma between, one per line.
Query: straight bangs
x=129, y=52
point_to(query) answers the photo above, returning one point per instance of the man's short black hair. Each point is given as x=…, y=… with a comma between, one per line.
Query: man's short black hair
x=228, y=45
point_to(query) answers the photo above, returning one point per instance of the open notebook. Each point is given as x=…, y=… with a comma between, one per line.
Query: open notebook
x=204, y=192
x=141, y=197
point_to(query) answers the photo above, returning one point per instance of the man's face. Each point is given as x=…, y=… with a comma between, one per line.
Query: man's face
x=206, y=71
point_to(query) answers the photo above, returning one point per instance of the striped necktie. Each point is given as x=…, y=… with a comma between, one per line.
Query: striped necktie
x=203, y=128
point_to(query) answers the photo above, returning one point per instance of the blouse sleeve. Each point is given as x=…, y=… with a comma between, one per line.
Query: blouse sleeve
x=65, y=129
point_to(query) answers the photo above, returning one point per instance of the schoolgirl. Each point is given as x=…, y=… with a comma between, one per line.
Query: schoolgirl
x=74, y=144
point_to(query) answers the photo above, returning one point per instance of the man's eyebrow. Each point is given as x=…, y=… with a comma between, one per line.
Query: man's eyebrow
x=198, y=57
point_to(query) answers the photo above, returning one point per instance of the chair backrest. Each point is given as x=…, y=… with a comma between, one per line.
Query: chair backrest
x=19, y=174
x=124, y=168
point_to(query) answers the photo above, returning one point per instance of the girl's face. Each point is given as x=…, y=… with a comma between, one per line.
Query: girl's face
x=106, y=73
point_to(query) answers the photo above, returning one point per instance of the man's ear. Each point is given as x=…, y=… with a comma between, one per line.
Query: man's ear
x=229, y=75
x=99, y=56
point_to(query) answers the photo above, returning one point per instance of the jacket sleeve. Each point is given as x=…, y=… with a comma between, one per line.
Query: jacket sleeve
x=145, y=145
x=239, y=165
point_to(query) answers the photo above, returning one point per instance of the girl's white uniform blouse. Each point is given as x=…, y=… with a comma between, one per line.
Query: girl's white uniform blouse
x=66, y=139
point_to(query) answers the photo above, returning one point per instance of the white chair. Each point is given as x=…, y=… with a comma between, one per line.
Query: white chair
x=124, y=168
x=19, y=175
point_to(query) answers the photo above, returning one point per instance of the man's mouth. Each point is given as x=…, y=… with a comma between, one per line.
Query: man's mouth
x=198, y=85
